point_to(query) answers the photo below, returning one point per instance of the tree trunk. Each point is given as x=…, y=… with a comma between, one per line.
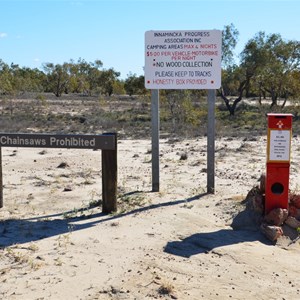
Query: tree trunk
x=232, y=108
x=284, y=102
x=274, y=99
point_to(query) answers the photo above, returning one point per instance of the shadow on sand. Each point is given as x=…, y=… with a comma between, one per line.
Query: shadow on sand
x=19, y=231
x=205, y=242
x=245, y=228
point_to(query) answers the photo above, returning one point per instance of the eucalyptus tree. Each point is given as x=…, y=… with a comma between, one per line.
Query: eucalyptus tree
x=28, y=80
x=234, y=82
x=272, y=63
x=15, y=79
x=135, y=85
x=58, y=77
x=234, y=77
x=6, y=77
x=79, y=76
x=93, y=73
x=229, y=41
x=106, y=81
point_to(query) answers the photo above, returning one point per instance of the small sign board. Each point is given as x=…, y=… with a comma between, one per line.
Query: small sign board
x=105, y=142
x=279, y=148
x=183, y=59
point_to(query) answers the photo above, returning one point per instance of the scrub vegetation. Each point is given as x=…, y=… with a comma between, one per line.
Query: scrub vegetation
x=181, y=115
x=80, y=96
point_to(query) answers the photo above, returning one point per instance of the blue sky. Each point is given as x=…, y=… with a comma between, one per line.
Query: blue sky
x=39, y=31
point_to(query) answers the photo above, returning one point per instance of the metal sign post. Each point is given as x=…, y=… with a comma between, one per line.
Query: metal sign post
x=211, y=99
x=183, y=59
x=155, y=139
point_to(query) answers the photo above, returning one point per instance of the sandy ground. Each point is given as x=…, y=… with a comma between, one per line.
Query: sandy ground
x=173, y=244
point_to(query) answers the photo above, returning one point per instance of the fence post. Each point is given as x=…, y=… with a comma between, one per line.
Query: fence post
x=109, y=178
x=1, y=180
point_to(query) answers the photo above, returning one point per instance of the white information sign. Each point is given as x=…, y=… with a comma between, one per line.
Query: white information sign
x=183, y=59
x=280, y=141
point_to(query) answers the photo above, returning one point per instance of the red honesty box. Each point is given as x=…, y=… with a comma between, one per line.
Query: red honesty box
x=278, y=161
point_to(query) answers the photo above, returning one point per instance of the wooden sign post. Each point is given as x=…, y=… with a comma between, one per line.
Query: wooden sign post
x=1, y=180
x=106, y=142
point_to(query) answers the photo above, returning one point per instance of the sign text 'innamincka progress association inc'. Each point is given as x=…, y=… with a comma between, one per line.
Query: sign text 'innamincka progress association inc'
x=183, y=59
